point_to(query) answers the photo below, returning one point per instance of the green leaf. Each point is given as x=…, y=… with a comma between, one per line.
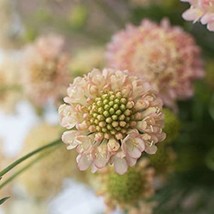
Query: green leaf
x=3, y=200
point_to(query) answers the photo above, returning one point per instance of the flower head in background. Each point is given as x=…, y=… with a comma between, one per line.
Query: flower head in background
x=45, y=70
x=202, y=10
x=130, y=191
x=166, y=56
x=113, y=117
x=44, y=179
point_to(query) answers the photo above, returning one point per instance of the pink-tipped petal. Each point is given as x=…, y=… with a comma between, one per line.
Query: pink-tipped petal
x=120, y=166
x=84, y=161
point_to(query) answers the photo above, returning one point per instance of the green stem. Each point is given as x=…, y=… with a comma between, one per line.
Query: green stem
x=25, y=168
x=20, y=160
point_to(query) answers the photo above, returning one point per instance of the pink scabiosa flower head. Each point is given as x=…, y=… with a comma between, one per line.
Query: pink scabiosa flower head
x=113, y=117
x=202, y=10
x=164, y=55
x=45, y=70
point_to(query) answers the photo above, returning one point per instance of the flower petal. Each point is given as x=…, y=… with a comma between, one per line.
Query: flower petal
x=151, y=149
x=102, y=156
x=120, y=165
x=68, y=137
x=210, y=26
x=84, y=161
x=131, y=161
x=131, y=149
x=192, y=14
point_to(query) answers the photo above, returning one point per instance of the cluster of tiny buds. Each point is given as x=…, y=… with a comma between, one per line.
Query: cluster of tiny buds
x=111, y=115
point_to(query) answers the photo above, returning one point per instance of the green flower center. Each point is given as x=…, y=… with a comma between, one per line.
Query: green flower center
x=111, y=114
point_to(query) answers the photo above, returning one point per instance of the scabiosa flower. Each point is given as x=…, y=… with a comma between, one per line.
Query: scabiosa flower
x=46, y=70
x=202, y=10
x=113, y=117
x=166, y=56
x=129, y=191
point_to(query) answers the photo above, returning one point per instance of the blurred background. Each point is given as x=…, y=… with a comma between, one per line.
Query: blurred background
x=71, y=36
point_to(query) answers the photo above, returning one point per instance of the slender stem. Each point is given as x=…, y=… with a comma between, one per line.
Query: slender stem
x=2, y=200
x=12, y=177
x=20, y=160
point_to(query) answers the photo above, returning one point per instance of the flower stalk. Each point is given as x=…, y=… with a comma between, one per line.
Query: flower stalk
x=20, y=160
x=23, y=169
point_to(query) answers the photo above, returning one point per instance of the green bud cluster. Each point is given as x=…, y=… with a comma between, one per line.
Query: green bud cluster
x=111, y=114
x=163, y=159
x=171, y=126
x=125, y=188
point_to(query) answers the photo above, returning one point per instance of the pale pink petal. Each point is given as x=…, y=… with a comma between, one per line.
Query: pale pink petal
x=67, y=116
x=84, y=143
x=207, y=18
x=68, y=137
x=131, y=161
x=84, y=161
x=151, y=149
x=94, y=168
x=120, y=165
x=142, y=125
x=192, y=14
x=68, y=122
x=130, y=149
x=210, y=26
x=140, y=143
x=83, y=139
x=102, y=156
x=100, y=161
